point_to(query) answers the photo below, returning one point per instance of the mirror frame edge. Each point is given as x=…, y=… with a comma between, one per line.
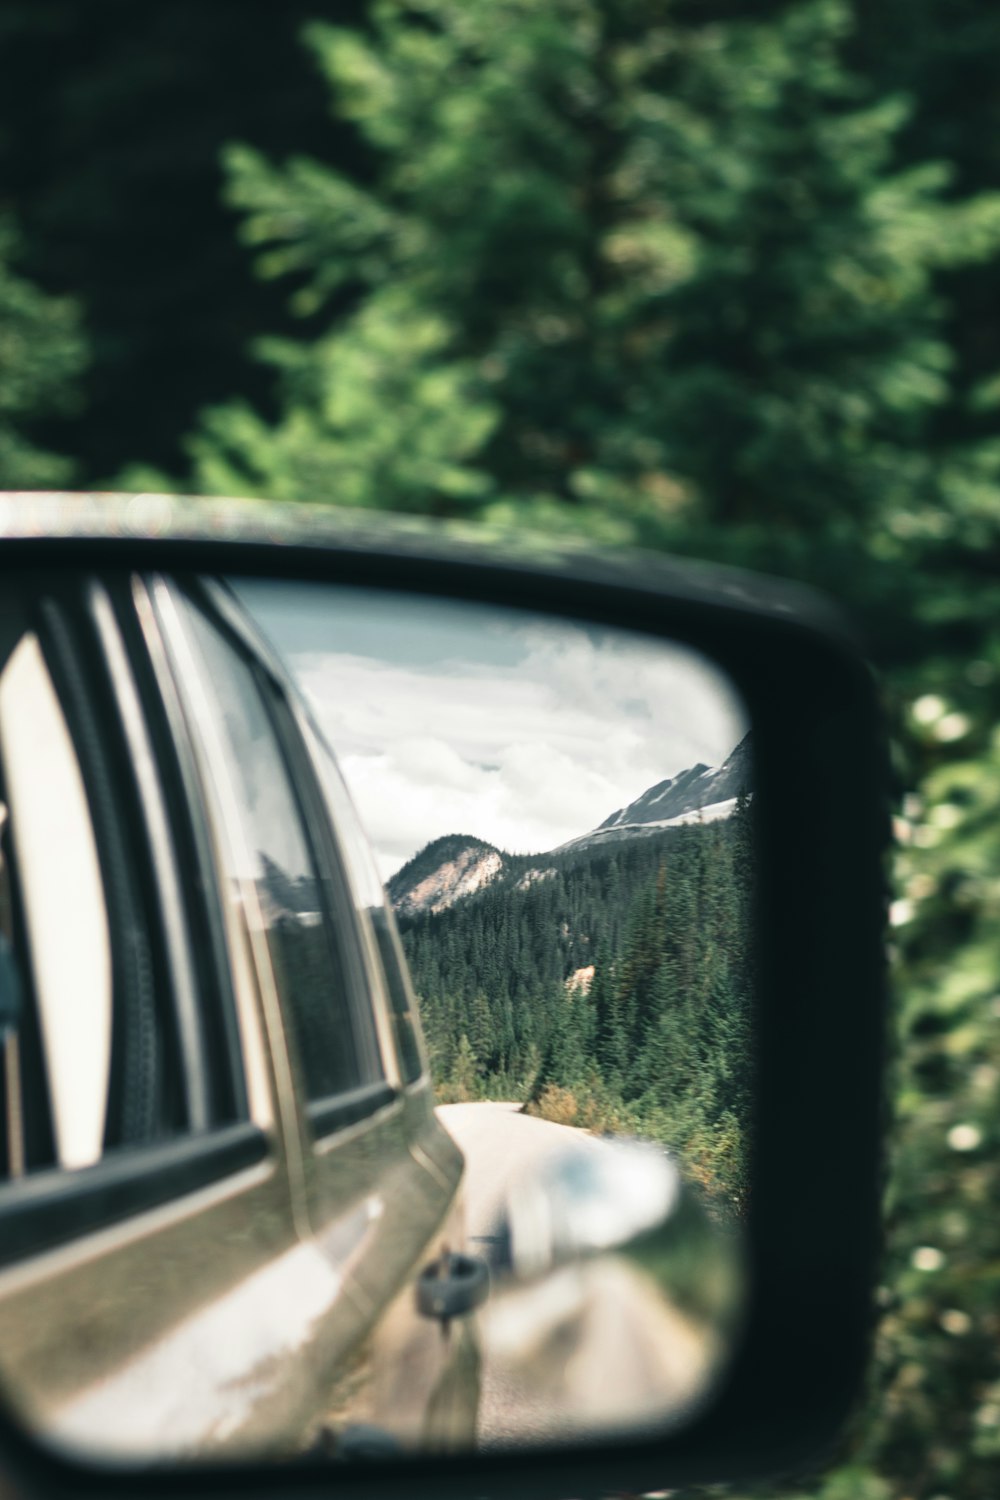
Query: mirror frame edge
x=772, y=1413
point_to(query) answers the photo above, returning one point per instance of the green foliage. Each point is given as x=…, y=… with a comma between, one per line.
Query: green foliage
x=463, y=1083
x=375, y=417
x=579, y=231
x=806, y=328
x=112, y=120
x=42, y=355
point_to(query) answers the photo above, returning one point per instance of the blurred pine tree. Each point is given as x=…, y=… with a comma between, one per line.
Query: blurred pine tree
x=43, y=355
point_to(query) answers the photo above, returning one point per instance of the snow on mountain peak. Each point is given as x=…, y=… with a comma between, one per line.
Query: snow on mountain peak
x=458, y=865
x=701, y=792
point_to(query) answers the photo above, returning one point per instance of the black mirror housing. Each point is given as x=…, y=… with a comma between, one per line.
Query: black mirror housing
x=821, y=807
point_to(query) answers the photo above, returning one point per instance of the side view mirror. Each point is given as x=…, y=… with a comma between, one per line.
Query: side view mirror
x=531, y=1142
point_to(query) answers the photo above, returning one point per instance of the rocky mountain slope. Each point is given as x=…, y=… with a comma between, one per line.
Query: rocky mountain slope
x=449, y=868
x=442, y=873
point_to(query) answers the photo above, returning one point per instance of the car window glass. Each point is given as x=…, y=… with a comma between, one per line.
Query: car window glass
x=26, y=1140
x=90, y=1062
x=64, y=902
x=271, y=854
x=369, y=896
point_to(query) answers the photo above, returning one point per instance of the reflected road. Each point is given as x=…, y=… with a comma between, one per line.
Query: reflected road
x=588, y=1349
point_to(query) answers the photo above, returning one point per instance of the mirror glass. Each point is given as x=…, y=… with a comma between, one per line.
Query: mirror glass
x=376, y=1003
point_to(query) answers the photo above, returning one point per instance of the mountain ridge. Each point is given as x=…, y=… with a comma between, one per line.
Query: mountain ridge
x=442, y=872
x=699, y=793
x=456, y=865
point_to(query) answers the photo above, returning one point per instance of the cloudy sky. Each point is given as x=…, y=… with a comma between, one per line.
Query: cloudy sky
x=461, y=718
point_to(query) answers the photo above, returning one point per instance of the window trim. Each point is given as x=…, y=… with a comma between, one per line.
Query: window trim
x=38, y=1137
x=216, y=968
x=314, y=746
x=182, y=983
x=329, y=1116
x=263, y=1048
x=54, y=1207
x=335, y=891
x=309, y=743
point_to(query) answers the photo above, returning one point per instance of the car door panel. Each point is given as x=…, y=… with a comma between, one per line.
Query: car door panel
x=374, y=1197
x=86, y=1324
x=115, y=1275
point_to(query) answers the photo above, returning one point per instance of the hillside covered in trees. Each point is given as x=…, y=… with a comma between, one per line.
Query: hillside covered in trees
x=609, y=986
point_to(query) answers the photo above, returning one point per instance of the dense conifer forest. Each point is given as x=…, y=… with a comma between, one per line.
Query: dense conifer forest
x=610, y=987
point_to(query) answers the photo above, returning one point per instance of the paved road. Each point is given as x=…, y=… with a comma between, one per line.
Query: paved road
x=586, y=1350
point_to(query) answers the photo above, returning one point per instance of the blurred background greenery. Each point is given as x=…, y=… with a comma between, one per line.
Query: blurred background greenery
x=713, y=276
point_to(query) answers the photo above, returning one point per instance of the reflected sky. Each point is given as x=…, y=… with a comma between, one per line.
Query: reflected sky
x=459, y=718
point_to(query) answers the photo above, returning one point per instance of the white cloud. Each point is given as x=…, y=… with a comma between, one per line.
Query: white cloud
x=458, y=718
x=525, y=757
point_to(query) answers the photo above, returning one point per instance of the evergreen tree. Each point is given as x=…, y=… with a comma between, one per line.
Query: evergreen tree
x=112, y=119
x=585, y=227
x=42, y=357
x=465, y=1071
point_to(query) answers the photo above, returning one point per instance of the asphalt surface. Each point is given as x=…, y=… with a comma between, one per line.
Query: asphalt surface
x=589, y=1350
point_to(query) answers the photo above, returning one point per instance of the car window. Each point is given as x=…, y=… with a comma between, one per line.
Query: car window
x=64, y=902
x=91, y=1063
x=370, y=899
x=104, y=1108
x=271, y=856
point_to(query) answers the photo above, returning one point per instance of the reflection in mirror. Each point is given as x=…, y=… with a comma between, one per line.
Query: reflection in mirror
x=562, y=816
x=428, y=1143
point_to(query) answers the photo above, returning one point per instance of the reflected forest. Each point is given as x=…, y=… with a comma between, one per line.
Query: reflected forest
x=608, y=987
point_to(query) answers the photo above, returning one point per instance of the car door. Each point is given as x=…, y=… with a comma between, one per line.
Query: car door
x=379, y=1179
x=153, y=1281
